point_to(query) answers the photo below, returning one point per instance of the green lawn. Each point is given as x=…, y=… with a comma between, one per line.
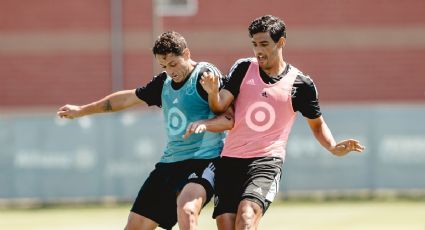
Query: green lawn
x=282, y=216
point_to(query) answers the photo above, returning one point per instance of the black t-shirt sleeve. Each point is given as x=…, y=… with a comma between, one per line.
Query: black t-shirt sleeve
x=216, y=72
x=151, y=92
x=236, y=75
x=305, y=97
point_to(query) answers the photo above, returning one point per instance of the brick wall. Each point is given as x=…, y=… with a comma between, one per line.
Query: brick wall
x=54, y=52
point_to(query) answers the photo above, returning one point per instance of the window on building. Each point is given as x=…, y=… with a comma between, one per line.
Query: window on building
x=176, y=7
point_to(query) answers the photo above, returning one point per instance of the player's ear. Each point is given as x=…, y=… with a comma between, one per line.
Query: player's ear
x=186, y=53
x=282, y=42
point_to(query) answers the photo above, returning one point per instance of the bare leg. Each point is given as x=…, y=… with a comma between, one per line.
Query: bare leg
x=138, y=222
x=248, y=216
x=226, y=221
x=189, y=205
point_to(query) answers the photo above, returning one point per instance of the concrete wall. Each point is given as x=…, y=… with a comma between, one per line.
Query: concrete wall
x=48, y=159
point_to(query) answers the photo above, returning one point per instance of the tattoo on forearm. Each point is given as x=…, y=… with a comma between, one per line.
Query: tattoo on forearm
x=228, y=117
x=107, y=106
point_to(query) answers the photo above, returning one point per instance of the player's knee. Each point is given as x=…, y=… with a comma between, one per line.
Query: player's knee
x=248, y=212
x=246, y=215
x=187, y=208
x=190, y=201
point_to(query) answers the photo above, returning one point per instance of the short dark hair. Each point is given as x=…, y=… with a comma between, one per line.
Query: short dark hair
x=169, y=42
x=268, y=23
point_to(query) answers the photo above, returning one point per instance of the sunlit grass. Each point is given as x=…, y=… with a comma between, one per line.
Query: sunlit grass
x=282, y=216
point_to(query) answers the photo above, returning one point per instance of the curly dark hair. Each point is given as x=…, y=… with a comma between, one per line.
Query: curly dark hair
x=268, y=23
x=169, y=42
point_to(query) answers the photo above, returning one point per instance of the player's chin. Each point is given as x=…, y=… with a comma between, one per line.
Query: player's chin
x=263, y=64
x=264, y=67
x=177, y=79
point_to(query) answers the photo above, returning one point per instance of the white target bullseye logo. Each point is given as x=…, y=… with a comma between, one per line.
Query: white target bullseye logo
x=177, y=121
x=260, y=116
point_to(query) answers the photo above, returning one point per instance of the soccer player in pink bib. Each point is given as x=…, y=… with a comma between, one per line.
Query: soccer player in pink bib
x=267, y=93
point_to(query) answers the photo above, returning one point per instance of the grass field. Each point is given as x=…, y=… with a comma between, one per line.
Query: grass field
x=283, y=216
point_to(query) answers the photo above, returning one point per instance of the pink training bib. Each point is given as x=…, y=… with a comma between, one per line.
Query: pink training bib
x=263, y=116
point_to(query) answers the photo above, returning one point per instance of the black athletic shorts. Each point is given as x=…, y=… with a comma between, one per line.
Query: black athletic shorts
x=157, y=197
x=254, y=179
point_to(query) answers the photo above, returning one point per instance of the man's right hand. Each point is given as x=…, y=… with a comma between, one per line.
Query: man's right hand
x=195, y=127
x=69, y=111
x=210, y=82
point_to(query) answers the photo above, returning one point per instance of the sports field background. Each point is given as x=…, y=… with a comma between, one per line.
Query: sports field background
x=366, y=58
x=359, y=215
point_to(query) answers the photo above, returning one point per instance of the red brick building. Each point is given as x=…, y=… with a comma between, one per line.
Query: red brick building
x=54, y=52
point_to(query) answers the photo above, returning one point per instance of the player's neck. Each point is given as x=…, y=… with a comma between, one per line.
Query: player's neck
x=190, y=67
x=276, y=69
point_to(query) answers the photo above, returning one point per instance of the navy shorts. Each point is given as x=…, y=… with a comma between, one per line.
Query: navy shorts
x=157, y=197
x=254, y=179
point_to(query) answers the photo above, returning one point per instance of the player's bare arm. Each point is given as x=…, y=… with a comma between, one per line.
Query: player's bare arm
x=111, y=103
x=220, y=123
x=325, y=138
x=219, y=100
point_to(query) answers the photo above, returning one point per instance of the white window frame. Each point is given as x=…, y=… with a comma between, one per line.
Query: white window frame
x=169, y=8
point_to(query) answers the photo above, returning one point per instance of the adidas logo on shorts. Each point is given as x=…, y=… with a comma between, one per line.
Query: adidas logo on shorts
x=193, y=175
x=258, y=190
